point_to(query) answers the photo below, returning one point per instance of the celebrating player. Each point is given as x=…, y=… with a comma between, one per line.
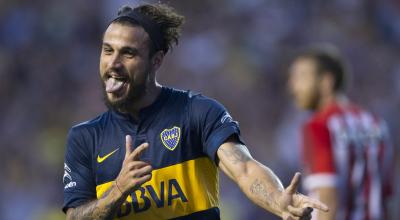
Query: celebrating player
x=347, y=154
x=154, y=154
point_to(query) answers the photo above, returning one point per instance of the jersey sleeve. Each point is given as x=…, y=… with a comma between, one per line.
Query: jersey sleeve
x=318, y=157
x=213, y=123
x=78, y=179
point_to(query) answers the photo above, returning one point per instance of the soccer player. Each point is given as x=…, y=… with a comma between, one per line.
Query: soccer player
x=154, y=154
x=347, y=153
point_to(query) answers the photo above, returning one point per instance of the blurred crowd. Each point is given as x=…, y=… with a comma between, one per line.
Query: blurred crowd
x=236, y=51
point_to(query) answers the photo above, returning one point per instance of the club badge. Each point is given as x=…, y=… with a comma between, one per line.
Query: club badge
x=170, y=137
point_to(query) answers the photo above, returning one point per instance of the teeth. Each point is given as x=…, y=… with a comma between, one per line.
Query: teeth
x=117, y=78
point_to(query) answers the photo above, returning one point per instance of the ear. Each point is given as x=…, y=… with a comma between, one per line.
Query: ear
x=157, y=60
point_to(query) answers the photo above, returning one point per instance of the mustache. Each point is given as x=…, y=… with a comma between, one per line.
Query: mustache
x=119, y=71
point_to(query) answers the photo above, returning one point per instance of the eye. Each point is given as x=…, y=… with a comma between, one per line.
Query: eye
x=107, y=50
x=129, y=53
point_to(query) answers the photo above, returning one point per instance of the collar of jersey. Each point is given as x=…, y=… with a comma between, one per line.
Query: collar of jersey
x=155, y=106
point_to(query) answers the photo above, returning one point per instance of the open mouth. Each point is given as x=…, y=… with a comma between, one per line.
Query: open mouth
x=115, y=83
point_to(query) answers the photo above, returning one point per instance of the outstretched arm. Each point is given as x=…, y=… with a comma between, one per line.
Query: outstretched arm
x=132, y=175
x=262, y=186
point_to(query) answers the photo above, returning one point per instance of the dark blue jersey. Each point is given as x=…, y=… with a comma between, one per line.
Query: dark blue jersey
x=184, y=131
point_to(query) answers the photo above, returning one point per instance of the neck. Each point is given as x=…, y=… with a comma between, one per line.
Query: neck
x=149, y=97
x=327, y=100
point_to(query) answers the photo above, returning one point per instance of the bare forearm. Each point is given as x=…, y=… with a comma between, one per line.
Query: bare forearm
x=102, y=208
x=262, y=186
x=258, y=182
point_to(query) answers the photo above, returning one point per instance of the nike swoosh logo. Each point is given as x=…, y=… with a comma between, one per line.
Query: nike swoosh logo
x=101, y=159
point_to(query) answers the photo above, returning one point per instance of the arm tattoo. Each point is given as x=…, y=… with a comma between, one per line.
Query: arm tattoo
x=263, y=193
x=236, y=155
x=92, y=210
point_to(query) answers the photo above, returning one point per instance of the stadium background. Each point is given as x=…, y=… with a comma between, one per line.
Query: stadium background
x=235, y=51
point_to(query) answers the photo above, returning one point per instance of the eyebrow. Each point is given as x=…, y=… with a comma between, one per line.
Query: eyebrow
x=132, y=49
x=124, y=48
x=106, y=45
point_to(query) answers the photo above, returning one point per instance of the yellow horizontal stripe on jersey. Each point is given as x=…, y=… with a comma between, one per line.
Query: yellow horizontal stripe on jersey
x=173, y=191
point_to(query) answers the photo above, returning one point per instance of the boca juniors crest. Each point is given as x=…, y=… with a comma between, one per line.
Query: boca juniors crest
x=170, y=137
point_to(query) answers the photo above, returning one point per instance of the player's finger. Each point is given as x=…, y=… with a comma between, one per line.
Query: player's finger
x=292, y=188
x=132, y=165
x=313, y=203
x=301, y=212
x=289, y=216
x=142, y=171
x=143, y=179
x=295, y=211
x=128, y=145
x=135, y=155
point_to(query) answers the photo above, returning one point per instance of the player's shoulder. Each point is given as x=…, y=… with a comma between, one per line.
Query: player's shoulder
x=369, y=117
x=350, y=111
x=319, y=120
x=195, y=99
x=177, y=94
x=330, y=111
x=180, y=93
x=199, y=100
x=353, y=110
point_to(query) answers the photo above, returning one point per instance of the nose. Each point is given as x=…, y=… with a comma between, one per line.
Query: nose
x=115, y=62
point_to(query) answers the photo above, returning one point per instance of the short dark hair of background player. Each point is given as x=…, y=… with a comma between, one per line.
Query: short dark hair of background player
x=328, y=61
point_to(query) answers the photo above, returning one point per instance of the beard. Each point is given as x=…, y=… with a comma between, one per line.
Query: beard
x=136, y=90
x=314, y=100
x=123, y=104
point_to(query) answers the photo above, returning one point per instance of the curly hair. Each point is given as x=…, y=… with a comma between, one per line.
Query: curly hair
x=169, y=22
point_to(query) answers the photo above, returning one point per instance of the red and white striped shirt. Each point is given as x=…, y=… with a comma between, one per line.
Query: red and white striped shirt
x=348, y=148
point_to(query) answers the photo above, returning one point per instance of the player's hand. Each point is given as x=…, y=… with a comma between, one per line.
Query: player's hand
x=133, y=172
x=298, y=206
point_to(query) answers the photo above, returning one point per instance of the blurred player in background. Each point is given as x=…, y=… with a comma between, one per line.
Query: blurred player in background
x=154, y=154
x=348, y=158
